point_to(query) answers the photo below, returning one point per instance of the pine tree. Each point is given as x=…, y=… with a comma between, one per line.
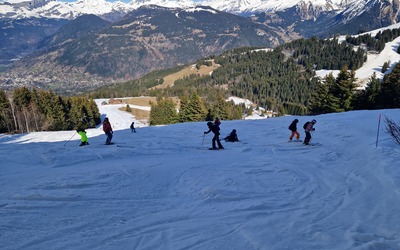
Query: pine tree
x=322, y=101
x=6, y=124
x=220, y=109
x=196, y=108
x=93, y=113
x=164, y=112
x=372, y=93
x=128, y=108
x=184, y=109
x=390, y=91
x=344, y=88
x=385, y=67
x=57, y=115
x=22, y=100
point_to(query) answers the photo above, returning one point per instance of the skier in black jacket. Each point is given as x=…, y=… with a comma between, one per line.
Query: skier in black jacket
x=232, y=137
x=215, y=129
x=293, y=128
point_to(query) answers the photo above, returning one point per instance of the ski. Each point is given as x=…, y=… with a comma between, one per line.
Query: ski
x=313, y=144
x=124, y=146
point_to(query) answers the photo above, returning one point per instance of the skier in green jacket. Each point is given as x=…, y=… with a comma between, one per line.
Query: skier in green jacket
x=84, y=139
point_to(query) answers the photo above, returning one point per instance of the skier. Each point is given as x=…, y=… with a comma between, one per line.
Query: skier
x=84, y=139
x=293, y=128
x=133, y=130
x=308, y=127
x=217, y=122
x=232, y=137
x=215, y=129
x=107, y=130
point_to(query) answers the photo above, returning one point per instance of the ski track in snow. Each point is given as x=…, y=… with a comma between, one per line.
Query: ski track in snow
x=157, y=188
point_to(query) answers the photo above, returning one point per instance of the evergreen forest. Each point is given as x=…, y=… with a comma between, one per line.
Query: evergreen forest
x=281, y=80
x=26, y=110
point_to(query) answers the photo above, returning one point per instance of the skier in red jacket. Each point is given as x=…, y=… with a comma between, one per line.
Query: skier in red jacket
x=107, y=130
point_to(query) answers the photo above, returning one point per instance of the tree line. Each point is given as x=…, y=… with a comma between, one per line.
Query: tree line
x=192, y=108
x=340, y=94
x=377, y=42
x=28, y=110
x=281, y=80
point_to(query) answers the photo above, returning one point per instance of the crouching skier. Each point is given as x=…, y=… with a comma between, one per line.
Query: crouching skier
x=84, y=139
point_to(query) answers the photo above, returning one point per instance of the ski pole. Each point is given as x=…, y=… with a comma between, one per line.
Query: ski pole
x=377, y=133
x=69, y=139
x=204, y=135
x=312, y=134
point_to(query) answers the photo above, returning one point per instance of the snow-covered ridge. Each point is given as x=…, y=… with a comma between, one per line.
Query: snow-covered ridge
x=375, y=61
x=241, y=6
x=59, y=9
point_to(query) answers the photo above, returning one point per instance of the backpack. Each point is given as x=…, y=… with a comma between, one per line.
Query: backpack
x=305, y=125
x=292, y=126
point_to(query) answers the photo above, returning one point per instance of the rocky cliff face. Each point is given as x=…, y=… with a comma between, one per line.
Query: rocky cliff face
x=390, y=11
x=307, y=11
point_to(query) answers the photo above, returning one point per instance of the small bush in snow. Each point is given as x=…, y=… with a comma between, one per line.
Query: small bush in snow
x=393, y=129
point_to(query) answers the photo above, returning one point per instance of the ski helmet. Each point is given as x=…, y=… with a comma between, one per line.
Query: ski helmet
x=295, y=120
x=313, y=121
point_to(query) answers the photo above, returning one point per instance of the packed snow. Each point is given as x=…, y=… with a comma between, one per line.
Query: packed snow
x=161, y=188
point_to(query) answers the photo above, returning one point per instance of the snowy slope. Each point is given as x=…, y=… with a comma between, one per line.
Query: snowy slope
x=375, y=61
x=160, y=188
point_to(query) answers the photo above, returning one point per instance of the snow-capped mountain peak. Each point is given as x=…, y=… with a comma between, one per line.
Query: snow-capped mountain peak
x=242, y=6
x=58, y=9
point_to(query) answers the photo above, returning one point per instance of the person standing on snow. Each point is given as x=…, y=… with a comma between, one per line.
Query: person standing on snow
x=133, y=130
x=293, y=128
x=84, y=139
x=308, y=127
x=215, y=129
x=107, y=130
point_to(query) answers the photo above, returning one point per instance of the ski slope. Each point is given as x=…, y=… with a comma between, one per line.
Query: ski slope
x=160, y=188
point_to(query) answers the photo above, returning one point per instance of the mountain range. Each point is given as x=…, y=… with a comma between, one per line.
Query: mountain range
x=95, y=42
x=146, y=39
x=71, y=10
